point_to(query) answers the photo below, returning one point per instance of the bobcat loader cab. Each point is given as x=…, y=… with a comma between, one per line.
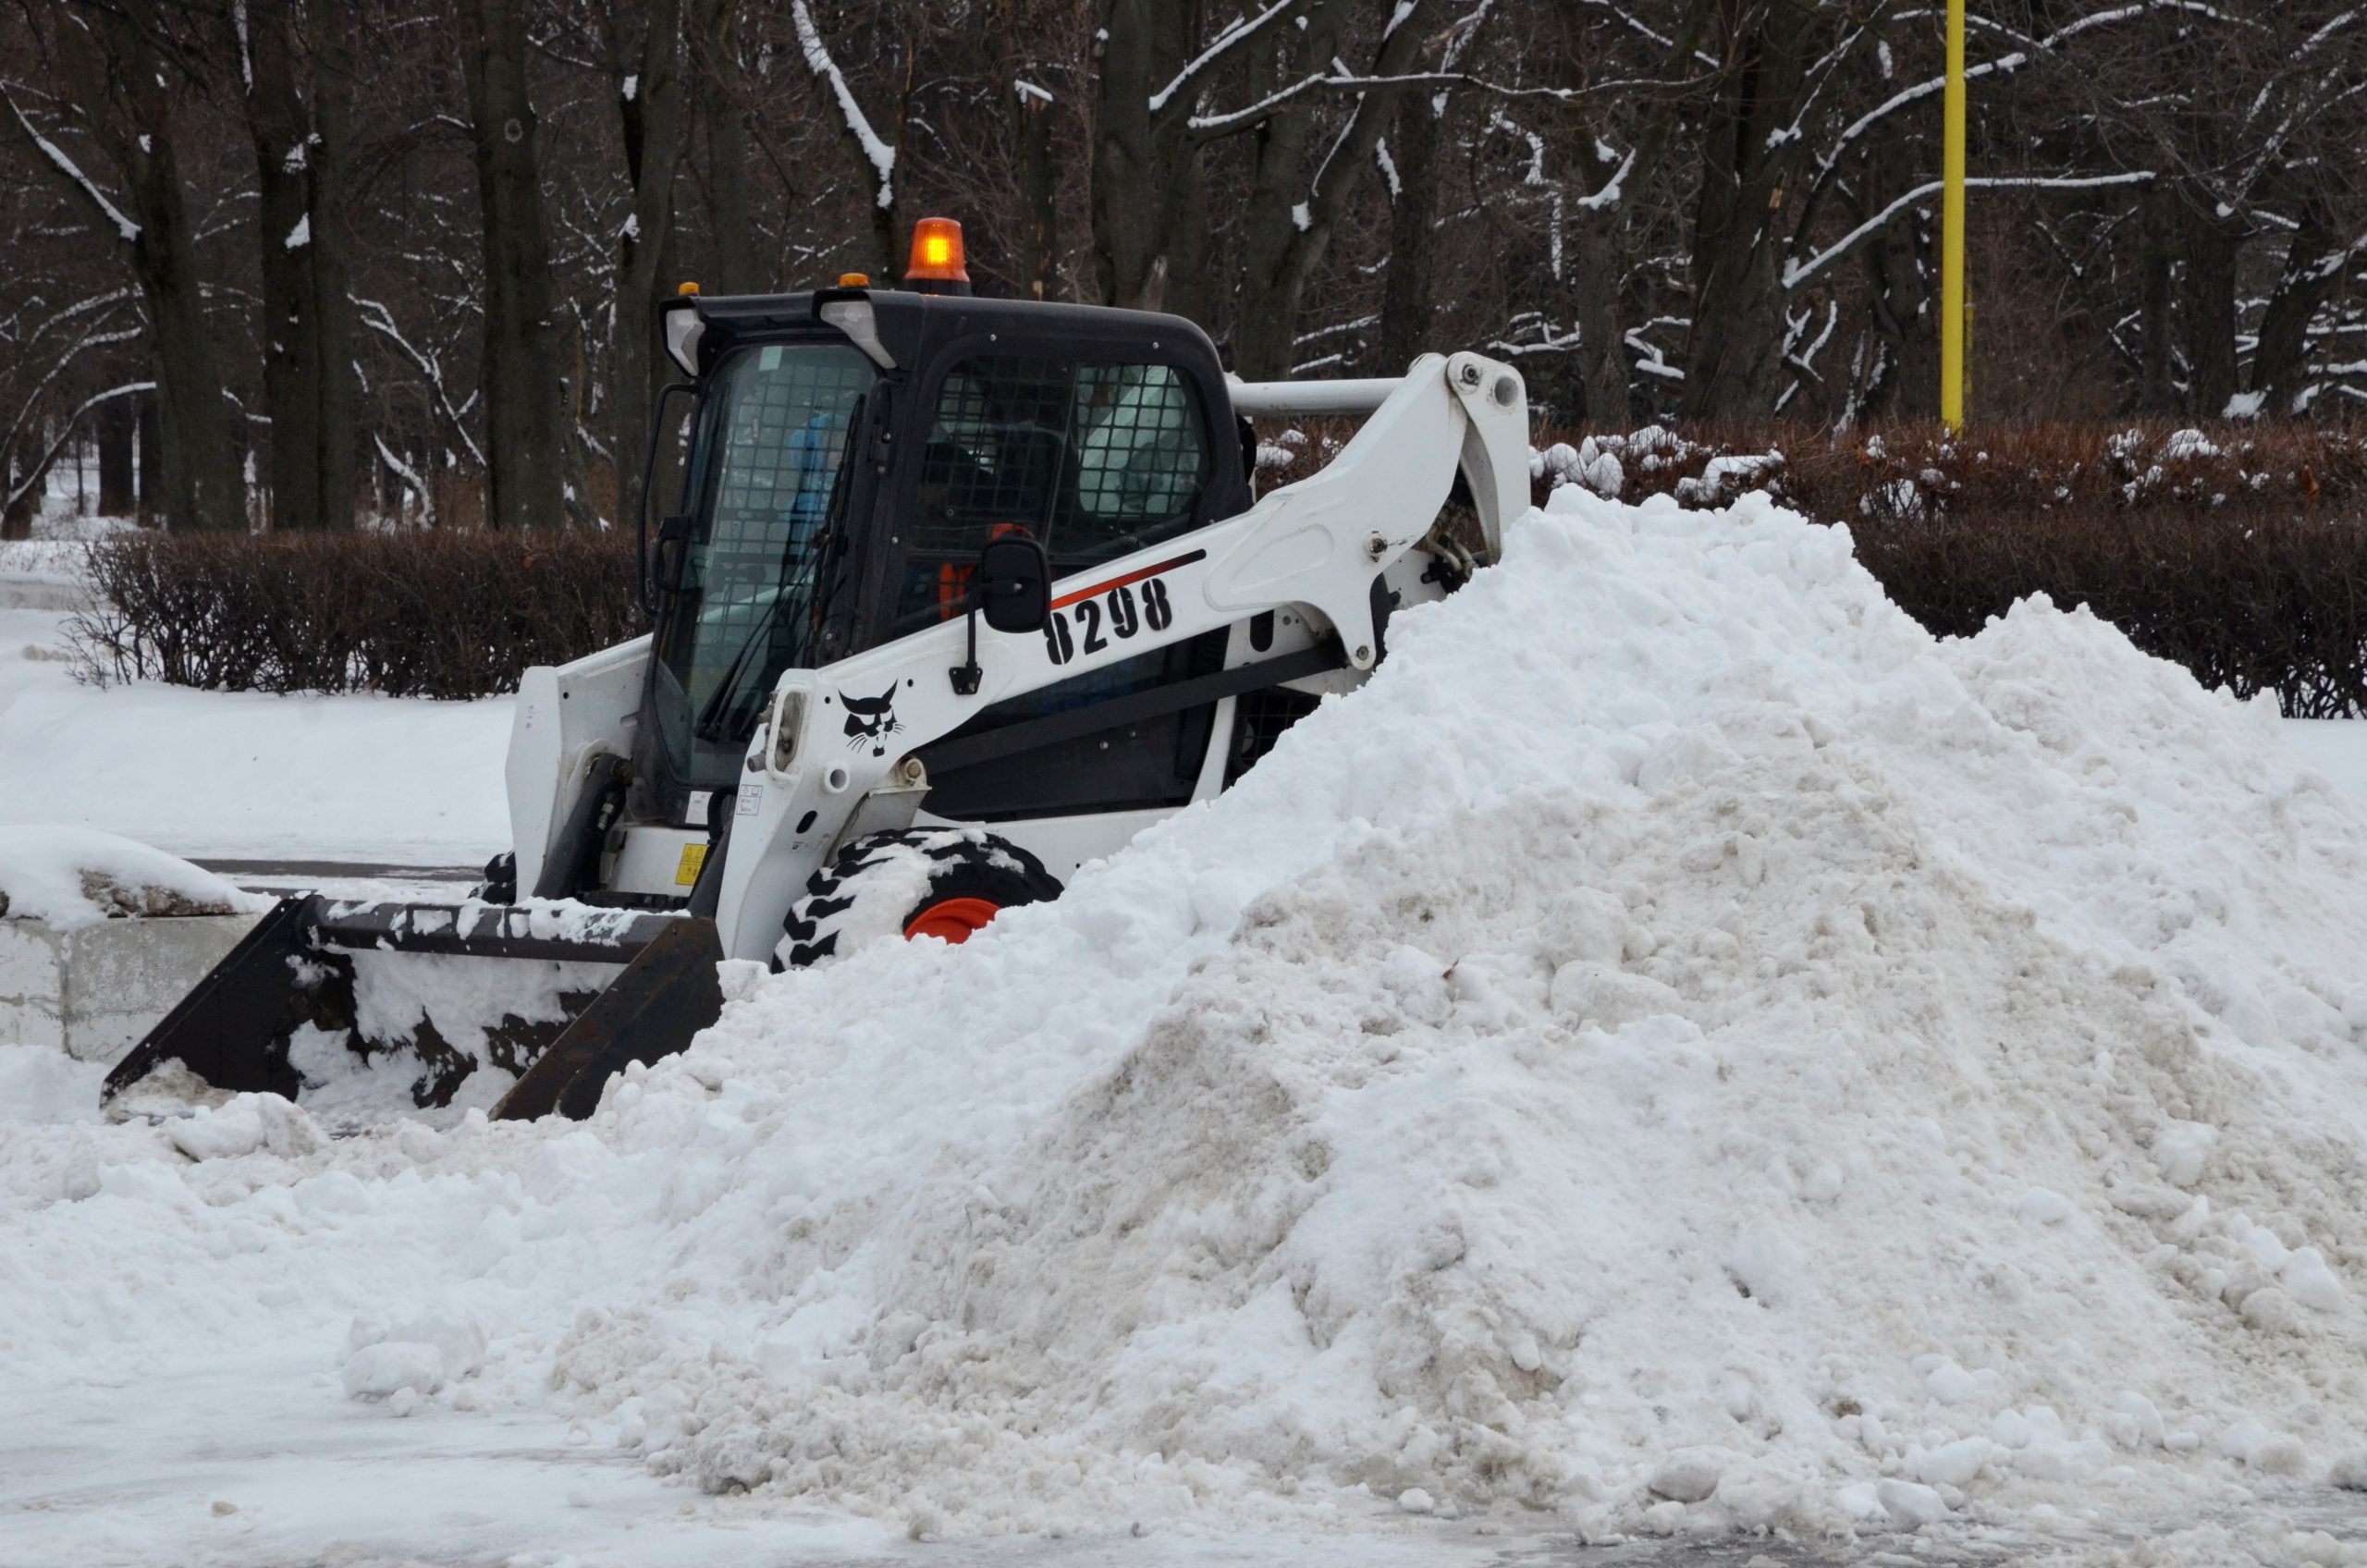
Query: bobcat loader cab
x=958, y=594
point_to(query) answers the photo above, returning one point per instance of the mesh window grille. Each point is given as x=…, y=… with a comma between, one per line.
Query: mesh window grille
x=774, y=433
x=783, y=435
x=1095, y=460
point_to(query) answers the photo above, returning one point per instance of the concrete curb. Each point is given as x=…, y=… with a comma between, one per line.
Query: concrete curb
x=93, y=992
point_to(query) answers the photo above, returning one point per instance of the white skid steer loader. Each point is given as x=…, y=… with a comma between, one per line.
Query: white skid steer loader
x=961, y=594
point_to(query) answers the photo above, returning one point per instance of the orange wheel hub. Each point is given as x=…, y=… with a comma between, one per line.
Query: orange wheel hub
x=952, y=920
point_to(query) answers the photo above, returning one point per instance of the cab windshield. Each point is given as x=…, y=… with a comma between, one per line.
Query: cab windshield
x=774, y=430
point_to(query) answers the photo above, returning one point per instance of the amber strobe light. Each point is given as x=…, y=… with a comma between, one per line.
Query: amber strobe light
x=937, y=253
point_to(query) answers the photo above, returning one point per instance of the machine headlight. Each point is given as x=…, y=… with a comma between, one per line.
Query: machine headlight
x=861, y=324
x=683, y=330
x=788, y=722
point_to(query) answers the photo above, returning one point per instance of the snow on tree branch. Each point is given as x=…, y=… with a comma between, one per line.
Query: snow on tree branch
x=2033, y=49
x=380, y=320
x=39, y=472
x=824, y=68
x=1797, y=273
x=1240, y=119
x=126, y=230
x=1342, y=81
x=1239, y=32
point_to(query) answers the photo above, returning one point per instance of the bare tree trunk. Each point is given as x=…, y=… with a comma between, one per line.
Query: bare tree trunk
x=2207, y=304
x=1734, y=351
x=118, y=422
x=524, y=397
x=2156, y=388
x=649, y=103
x=333, y=312
x=1030, y=133
x=2302, y=285
x=281, y=132
x=1288, y=228
x=1407, y=299
x=150, y=430
x=119, y=81
x=1149, y=223
x=730, y=212
x=1905, y=313
x=1598, y=263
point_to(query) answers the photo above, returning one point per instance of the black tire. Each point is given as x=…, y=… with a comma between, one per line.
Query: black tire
x=879, y=883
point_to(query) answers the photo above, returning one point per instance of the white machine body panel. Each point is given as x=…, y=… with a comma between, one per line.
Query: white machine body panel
x=1321, y=554
x=566, y=715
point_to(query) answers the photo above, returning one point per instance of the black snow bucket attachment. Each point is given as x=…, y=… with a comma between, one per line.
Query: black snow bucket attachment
x=365, y=1013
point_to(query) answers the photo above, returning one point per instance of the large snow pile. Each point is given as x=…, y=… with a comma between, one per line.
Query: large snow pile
x=74, y=876
x=1682, y=1049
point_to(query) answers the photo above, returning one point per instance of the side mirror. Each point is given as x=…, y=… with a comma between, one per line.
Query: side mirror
x=1016, y=584
x=650, y=575
x=666, y=568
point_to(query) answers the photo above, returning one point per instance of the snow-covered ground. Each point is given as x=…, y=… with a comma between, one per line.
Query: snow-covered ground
x=207, y=774
x=1681, y=1056
x=2337, y=745
x=221, y=774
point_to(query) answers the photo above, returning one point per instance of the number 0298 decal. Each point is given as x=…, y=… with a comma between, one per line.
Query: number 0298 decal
x=1119, y=609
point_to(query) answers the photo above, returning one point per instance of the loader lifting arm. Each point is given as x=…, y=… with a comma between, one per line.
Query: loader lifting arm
x=1323, y=544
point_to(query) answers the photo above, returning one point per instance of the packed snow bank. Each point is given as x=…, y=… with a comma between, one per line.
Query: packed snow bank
x=1681, y=1048
x=1682, y=1045
x=69, y=878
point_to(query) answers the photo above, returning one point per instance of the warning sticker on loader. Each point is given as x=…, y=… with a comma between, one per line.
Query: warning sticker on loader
x=687, y=874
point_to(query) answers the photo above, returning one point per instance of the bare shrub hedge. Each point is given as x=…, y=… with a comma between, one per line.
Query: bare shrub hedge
x=2256, y=602
x=1922, y=471
x=2237, y=550
x=441, y=613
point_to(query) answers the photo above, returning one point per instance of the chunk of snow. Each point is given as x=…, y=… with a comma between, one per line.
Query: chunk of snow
x=2180, y=1150
x=244, y=1124
x=422, y=1353
x=1952, y=1384
x=1951, y=1465
x=1688, y=1476
x=2044, y=1206
x=1909, y=1505
x=69, y=878
x=2255, y=1447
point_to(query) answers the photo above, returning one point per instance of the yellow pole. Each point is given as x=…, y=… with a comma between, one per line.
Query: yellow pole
x=1952, y=312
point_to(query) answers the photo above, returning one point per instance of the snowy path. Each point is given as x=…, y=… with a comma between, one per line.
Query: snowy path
x=148, y=1471
x=238, y=775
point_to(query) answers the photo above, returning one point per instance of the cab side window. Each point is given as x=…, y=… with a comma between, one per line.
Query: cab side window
x=1142, y=458
x=1097, y=460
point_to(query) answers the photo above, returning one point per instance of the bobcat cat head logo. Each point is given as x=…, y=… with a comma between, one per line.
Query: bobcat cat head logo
x=870, y=719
